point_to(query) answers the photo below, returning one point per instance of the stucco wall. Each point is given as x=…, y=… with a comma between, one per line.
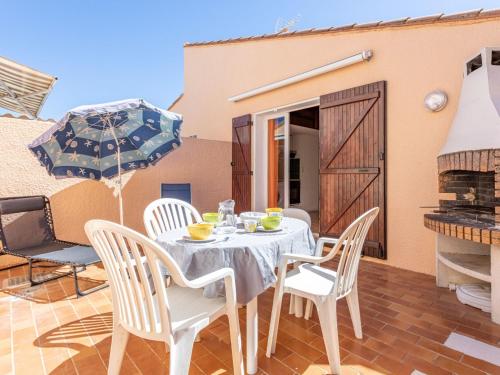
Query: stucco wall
x=413, y=61
x=203, y=163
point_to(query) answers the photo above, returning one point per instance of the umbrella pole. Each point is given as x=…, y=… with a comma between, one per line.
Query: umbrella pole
x=120, y=200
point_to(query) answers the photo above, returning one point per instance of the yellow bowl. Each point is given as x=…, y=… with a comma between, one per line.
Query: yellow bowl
x=274, y=211
x=200, y=231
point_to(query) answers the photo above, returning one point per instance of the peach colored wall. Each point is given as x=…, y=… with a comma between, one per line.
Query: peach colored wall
x=413, y=61
x=203, y=163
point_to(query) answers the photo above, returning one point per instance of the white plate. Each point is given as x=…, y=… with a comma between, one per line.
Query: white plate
x=262, y=230
x=190, y=240
x=225, y=230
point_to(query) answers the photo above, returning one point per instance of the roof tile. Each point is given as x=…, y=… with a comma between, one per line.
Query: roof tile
x=367, y=24
x=470, y=14
x=460, y=15
x=429, y=18
x=394, y=22
x=343, y=27
x=490, y=12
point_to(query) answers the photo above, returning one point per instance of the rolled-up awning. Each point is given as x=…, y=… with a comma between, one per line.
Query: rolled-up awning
x=23, y=89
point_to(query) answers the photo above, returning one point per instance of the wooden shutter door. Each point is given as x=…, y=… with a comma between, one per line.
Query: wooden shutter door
x=242, y=163
x=352, y=162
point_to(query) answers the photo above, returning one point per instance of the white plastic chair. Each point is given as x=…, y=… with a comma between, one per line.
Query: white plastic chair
x=296, y=304
x=166, y=214
x=298, y=213
x=325, y=286
x=173, y=314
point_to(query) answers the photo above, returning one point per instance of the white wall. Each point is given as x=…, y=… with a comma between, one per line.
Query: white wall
x=306, y=143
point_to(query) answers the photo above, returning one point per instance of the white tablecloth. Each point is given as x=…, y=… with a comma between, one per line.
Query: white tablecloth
x=252, y=256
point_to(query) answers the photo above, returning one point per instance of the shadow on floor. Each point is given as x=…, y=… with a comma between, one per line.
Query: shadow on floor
x=17, y=284
x=68, y=335
x=76, y=337
x=90, y=338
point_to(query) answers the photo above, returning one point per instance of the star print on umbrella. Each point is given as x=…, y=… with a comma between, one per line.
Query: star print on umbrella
x=85, y=142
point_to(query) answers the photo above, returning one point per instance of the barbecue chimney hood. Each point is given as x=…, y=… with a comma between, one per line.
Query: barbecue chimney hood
x=476, y=125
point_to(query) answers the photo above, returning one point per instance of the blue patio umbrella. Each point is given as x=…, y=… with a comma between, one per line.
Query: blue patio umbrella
x=92, y=141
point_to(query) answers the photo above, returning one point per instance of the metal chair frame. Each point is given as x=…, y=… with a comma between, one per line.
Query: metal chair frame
x=75, y=267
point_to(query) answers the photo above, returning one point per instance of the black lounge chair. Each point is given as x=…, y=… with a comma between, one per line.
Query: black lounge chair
x=32, y=236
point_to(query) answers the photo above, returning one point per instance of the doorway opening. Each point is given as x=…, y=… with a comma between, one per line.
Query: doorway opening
x=286, y=159
x=304, y=162
x=351, y=145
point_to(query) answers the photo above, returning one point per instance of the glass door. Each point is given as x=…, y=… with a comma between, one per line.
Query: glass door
x=277, y=161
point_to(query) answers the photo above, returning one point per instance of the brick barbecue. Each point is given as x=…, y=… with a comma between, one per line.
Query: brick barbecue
x=475, y=212
x=469, y=163
x=468, y=218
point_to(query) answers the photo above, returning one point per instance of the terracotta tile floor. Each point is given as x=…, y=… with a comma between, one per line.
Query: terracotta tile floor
x=46, y=330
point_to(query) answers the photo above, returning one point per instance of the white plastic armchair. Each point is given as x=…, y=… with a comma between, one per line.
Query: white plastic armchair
x=153, y=311
x=298, y=213
x=296, y=304
x=320, y=245
x=166, y=214
x=324, y=286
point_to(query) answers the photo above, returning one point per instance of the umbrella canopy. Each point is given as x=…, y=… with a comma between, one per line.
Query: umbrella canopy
x=84, y=143
x=91, y=141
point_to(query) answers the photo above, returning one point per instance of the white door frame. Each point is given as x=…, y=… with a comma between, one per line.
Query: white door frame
x=259, y=149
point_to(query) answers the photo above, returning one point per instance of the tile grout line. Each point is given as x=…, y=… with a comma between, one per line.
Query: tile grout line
x=435, y=356
x=12, y=358
x=294, y=354
x=103, y=321
x=97, y=311
x=66, y=300
x=11, y=324
x=85, y=328
x=59, y=324
x=110, y=300
x=37, y=336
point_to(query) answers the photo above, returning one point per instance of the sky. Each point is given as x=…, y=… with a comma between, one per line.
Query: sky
x=106, y=50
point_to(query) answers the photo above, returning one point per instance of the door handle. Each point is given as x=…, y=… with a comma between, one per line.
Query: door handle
x=233, y=164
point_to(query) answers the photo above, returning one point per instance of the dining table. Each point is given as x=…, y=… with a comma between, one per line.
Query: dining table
x=253, y=258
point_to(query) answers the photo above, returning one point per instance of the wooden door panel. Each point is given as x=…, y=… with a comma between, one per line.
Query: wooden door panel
x=242, y=163
x=352, y=160
x=351, y=128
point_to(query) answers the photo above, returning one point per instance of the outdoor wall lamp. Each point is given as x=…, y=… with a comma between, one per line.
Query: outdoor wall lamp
x=436, y=100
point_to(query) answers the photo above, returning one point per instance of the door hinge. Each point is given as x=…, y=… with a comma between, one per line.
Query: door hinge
x=381, y=155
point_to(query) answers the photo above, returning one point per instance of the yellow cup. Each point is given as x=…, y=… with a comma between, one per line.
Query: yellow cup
x=250, y=225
